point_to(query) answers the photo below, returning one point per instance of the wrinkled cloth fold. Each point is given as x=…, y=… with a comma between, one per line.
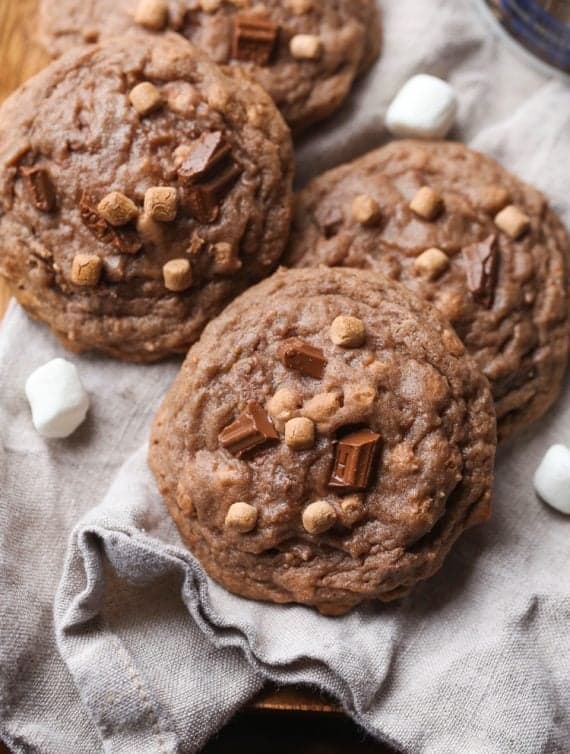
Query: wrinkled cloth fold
x=113, y=639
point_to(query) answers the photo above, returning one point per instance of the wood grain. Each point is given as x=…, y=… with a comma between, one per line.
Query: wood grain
x=20, y=58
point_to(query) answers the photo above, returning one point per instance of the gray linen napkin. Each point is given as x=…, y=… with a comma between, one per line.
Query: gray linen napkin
x=111, y=636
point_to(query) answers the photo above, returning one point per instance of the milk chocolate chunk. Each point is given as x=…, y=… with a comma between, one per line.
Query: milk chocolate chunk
x=208, y=173
x=481, y=264
x=203, y=201
x=254, y=39
x=522, y=283
x=202, y=205
x=99, y=227
x=39, y=188
x=250, y=430
x=127, y=241
x=205, y=153
x=115, y=268
x=110, y=166
x=223, y=180
x=124, y=239
x=354, y=459
x=317, y=544
x=296, y=354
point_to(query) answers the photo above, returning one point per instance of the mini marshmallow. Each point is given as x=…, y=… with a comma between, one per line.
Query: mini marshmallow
x=552, y=478
x=57, y=398
x=425, y=108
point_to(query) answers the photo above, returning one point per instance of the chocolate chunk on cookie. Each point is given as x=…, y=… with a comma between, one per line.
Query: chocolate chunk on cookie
x=463, y=233
x=334, y=485
x=138, y=196
x=305, y=53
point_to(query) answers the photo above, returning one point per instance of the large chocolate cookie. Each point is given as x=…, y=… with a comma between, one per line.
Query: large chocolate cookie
x=326, y=442
x=305, y=53
x=141, y=189
x=463, y=233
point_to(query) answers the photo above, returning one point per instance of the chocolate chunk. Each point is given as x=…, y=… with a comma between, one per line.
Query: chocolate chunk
x=481, y=264
x=125, y=240
x=254, y=39
x=208, y=174
x=296, y=354
x=250, y=430
x=203, y=200
x=221, y=183
x=202, y=204
x=206, y=152
x=114, y=268
x=99, y=227
x=39, y=188
x=353, y=460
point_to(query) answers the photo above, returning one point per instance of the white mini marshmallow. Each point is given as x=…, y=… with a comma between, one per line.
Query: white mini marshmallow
x=425, y=108
x=57, y=398
x=552, y=478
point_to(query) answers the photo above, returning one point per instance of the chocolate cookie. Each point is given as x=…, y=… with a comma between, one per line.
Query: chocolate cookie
x=326, y=442
x=464, y=234
x=305, y=53
x=141, y=188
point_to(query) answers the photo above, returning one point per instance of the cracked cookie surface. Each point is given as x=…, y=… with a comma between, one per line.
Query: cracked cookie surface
x=463, y=233
x=326, y=441
x=141, y=189
x=305, y=53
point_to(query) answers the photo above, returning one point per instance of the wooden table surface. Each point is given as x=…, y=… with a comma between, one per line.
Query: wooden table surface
x=20, y=58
